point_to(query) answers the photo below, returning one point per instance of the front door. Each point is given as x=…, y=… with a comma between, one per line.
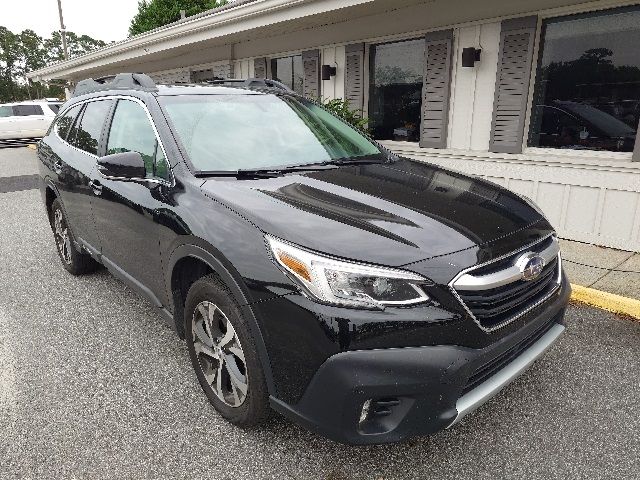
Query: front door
x=125, y=211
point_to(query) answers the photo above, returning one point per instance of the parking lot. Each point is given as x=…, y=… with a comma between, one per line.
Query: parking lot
x=93, y=384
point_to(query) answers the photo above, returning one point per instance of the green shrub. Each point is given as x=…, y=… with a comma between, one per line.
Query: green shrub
x=342, y=109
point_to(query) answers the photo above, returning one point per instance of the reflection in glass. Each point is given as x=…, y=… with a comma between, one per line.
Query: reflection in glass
x=131, y=131
x=587, y=93
x=65, y=122
x=88, y=133
x=231, y=132
x=395, y=91
x=289, y=71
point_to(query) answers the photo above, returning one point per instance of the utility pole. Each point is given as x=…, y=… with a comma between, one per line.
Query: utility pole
x=63, y=32
x=65, y=51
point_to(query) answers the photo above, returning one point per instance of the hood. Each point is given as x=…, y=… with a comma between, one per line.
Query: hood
x=391, y=214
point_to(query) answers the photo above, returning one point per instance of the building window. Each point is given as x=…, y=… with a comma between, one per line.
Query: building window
x=587, y=93
x=289, y=70
x=395, y=90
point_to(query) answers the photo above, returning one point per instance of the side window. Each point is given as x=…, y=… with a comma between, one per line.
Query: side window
x=131, y=131
x=88, y=132
x=27, y=110
x=63, y=124
x=54, y=107
x=6, y=111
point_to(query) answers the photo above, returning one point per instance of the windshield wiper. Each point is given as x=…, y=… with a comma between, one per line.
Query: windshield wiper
x=276, y=171
x=355, y=161
x=262, y=172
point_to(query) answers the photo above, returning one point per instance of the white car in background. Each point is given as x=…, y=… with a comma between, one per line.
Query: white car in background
x=26, y=120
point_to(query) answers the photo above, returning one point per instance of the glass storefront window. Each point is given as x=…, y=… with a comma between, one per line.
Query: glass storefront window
x=289, y=71
x=587, y=93
x=395, y=90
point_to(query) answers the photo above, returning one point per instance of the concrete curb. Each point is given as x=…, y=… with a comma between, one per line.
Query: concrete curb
x=606, y=301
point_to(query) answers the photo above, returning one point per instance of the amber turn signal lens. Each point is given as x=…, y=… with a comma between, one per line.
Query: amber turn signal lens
x=295, y=266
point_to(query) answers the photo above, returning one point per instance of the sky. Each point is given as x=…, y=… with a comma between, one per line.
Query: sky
x=106, y=20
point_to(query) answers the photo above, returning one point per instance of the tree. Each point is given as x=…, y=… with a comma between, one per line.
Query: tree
x=77, y=45
x=157, y=13
x=27, y=51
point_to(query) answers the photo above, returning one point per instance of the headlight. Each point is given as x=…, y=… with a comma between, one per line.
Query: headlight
x=347, y=283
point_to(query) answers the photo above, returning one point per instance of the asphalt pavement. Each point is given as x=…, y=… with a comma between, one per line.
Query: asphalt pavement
x=93, y=384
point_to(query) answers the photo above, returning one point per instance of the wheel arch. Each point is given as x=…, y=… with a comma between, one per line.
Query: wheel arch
x=214, y=262
x=50, y=194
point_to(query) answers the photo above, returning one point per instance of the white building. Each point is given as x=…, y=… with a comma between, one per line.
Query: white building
x=550, y=108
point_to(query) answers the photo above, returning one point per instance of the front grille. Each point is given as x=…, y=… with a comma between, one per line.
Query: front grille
x=488, y=369
x=495, y=307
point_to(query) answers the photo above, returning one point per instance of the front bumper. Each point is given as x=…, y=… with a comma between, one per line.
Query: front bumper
x=417, y=390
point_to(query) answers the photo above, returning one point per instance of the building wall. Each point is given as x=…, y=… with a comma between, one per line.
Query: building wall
x=585, y=200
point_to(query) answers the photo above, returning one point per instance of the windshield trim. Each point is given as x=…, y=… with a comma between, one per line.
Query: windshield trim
x=383, y=153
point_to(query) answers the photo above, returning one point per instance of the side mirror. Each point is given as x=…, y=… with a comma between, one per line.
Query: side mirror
x=126, y=165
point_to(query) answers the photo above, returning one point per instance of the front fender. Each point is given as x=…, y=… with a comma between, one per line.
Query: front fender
x=209, y=255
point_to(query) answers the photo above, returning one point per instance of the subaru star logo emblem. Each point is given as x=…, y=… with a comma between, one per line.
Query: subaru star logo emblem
x=530, y=265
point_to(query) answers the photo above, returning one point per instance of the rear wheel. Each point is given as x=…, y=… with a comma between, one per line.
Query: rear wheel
x=223, y=353
x=74, y=261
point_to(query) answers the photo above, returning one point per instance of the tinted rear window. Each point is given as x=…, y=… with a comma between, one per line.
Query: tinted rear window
x=27, y=110
x=63, y=124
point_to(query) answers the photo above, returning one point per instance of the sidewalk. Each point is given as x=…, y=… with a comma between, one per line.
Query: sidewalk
x=605, y=269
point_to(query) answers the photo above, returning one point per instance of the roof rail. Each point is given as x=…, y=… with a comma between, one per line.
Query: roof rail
x=121, y=81
x=249, y=83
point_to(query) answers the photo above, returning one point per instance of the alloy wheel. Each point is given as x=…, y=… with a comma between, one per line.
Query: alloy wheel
x=220, y=354
x=61, y=233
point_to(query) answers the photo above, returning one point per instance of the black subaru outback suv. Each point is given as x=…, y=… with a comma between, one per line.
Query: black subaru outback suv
x=366, y=296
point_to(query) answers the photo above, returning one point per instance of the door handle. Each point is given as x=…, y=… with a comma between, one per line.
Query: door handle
x=96, y=187
x=57, y=166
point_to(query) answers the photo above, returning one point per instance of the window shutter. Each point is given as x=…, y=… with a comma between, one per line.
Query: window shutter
x=436, y=89
x=311, y=66
x=260, y=68
x=512, y=84
x=354, y=75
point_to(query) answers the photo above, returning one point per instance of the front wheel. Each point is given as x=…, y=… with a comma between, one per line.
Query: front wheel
x=223, y=354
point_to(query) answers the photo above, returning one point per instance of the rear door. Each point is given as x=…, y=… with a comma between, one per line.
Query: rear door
x=126, y=211
x=76, y=161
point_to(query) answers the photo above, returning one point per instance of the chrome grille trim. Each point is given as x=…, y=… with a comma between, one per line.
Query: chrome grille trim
x=470, y=282
x=523, y=312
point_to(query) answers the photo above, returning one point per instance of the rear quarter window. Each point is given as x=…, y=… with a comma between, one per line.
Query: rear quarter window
x=88, y=133
x=63, y=123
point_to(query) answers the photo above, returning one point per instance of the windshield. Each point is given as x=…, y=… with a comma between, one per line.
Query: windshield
x=236, y=132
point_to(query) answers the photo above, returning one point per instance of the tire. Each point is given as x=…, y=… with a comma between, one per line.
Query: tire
x=218, y=352
x=73, y=261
